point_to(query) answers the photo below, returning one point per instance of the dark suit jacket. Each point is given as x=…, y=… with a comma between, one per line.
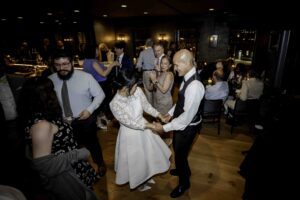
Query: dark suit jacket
x=126, y=63
x=127, y=66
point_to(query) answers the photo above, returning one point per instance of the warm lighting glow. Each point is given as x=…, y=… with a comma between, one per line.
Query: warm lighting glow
x=213, y=40
x=124, y=6
x=162, y=37
x=146, y=13
x=209, y=81
x=105, y=15
x=211, y=9
x=121, y=37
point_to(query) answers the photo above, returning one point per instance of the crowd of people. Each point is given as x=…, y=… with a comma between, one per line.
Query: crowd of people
x=59, y=113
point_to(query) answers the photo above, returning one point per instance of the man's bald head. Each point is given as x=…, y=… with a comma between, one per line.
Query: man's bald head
x=183, y=61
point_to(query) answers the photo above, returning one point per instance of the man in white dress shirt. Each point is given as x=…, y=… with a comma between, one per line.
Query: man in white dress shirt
x=186, y=118
x=159, y=53
x=84, y=96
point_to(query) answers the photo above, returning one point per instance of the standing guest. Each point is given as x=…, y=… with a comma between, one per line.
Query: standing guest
x=104, y=54
x=159, y=53
x=46, y=51
x=146, y=64
x=65, y=170
x=124, y=64
x=163, y=83
x=99, y=72
x=124, y=61
x=79, y=95
x=140, y=154
x=186, y=118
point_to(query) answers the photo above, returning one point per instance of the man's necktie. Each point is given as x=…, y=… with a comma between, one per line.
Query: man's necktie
x=117, y=67
x=65, y=100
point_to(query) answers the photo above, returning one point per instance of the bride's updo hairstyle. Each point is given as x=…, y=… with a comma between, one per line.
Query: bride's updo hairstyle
x=126, y=79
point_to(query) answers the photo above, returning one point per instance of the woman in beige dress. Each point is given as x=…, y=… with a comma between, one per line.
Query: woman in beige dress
x=163, y=83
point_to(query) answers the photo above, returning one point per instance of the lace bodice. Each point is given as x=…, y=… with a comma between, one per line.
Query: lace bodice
x=129, y=110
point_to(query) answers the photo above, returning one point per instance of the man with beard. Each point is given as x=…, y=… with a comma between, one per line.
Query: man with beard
x=79, y=95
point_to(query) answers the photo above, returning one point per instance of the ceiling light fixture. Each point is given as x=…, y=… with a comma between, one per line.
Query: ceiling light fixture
x=3, y=19
x=76, y=11
x=105, y=15
x=211, y=9
x=124, y=6
x=146, y=13
x=49, y=14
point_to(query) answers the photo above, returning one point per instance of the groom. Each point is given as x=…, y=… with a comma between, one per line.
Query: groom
x=186, y=118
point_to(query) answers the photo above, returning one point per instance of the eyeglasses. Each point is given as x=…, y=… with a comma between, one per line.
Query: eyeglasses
x=66, y=64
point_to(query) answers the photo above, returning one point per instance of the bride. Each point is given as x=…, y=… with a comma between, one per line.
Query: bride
x=140, y=153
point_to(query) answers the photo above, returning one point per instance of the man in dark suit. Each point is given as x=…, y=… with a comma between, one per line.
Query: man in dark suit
x=125, y=63
x=186, y=118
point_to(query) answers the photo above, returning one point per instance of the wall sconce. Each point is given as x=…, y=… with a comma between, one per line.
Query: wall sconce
x=213, y=41
x=161, y=37
x=121, y=37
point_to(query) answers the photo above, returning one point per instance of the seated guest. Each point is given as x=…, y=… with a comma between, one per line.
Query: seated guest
x=252, y=88
x=219, y=90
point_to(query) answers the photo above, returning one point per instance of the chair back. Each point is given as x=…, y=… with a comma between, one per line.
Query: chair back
x=240, y=108
x=212, y=109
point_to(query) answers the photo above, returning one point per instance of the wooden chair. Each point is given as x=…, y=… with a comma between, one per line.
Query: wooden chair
x=211, y=112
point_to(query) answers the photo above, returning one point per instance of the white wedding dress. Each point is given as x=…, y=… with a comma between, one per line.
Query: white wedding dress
x=139, y=152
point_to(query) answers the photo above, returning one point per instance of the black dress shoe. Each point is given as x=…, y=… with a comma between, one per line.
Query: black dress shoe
x=173, y=172
x=178, y=191
x=102, y=170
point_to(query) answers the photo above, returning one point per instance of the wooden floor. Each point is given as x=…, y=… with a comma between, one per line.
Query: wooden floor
x=214, y=161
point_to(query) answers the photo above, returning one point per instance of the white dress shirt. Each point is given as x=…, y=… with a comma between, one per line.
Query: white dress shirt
x=84, y=92
x=192, y=98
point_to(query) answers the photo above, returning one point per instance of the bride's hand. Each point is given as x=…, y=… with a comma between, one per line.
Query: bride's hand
x=149, y=126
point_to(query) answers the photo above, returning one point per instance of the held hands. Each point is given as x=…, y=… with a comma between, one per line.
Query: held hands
x=155, y=126
x=164, y=118
x=158, y=127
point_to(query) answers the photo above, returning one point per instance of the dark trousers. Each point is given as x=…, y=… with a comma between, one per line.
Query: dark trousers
x=85, y=131
x=182, y=142
x=104, y=106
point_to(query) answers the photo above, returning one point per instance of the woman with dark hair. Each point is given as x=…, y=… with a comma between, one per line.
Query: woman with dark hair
x=62, y=166
x=140, y=153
